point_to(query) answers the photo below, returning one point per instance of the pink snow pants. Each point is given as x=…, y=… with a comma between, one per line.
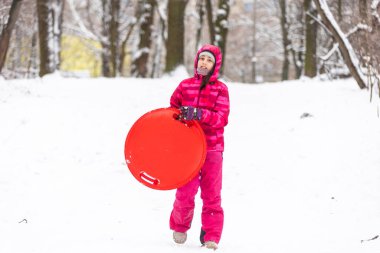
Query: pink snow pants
x=210, y=182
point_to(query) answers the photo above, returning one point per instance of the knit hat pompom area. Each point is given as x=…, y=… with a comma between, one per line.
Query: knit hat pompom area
x=209, y=54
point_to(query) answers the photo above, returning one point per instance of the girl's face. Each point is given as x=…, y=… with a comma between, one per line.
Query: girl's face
x=205, y=62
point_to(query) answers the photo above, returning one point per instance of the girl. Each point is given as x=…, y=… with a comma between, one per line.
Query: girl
x=204, y=98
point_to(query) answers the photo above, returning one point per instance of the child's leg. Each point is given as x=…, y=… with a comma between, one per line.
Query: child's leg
x=183, y=208
x=211, y=186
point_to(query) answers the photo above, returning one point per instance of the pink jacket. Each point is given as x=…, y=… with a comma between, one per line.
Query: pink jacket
x=213, y=100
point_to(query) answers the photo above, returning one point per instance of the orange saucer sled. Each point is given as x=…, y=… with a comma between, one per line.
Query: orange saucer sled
x=163, y=152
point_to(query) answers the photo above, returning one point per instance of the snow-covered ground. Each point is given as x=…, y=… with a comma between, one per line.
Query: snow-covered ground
x=301, y=169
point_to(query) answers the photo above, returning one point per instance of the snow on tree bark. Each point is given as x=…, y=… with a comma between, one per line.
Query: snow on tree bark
x=345, y=47
x=57, y=15
x=140, y=58
x=50, y=15
x=296, y=35
x=114, y=35
x=285, y=39
x=221, y=26
x=161, y=10
x=159, y=39
x=105, y=39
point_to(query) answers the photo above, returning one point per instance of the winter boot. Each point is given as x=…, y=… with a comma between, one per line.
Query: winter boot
x=202, y=236
x=179, y=237
x=211, y=245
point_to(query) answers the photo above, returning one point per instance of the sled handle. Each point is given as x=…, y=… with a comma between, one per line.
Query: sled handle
x=176, y=116
x=149, y=179
x=188, y=123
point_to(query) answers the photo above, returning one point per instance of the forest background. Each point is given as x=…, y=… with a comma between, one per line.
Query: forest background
x=262, y=41
x=301, y=165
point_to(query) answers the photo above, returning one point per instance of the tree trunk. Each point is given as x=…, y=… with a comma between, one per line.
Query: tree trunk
x=50, y=15
x=297, y=61
x=114, y=36
x=221, y=27
x=140, y=59
x=200, y=11
x=345, y=47
x=123, y=52
x=43, y=35
x=363, y=11
x=310, y=67
x=210, y=21
x=175, y=41
x=298, y=40
x=364, y=36
x=365, y=19
x=254, y=58
x=105, y=39
x=285, y=40
x=110, y=37
x=33, y=55
x=7, y=31
x=340, y=12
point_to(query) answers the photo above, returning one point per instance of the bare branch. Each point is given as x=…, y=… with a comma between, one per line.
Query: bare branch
x=359, y=27
x=330, y=53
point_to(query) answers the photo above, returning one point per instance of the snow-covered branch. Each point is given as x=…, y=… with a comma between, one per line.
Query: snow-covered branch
x=319, y=22
x=359, y=27
x=335, y=47
x=80, y=23
x=330, y=53
x=346, y=49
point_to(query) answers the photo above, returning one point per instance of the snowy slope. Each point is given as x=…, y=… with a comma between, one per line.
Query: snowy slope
x=301, y=169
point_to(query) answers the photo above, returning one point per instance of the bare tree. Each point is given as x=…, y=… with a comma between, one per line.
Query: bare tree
x=50, y=15
x=210, y=21
x=175, y=40
x=200, y=11
x=254, y=42
x=159, y=36
x=254, y=49
x=141, y=56
x=310, y=67
x=221, y=26
x=285, y=39
x=296, y=35
x=7, y=31
x=108, y=22
x=124, y=42
x=218, y=27
x=105, y=40
x=114, y=36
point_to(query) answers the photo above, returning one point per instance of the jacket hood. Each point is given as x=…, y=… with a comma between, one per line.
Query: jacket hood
x=218, y=61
